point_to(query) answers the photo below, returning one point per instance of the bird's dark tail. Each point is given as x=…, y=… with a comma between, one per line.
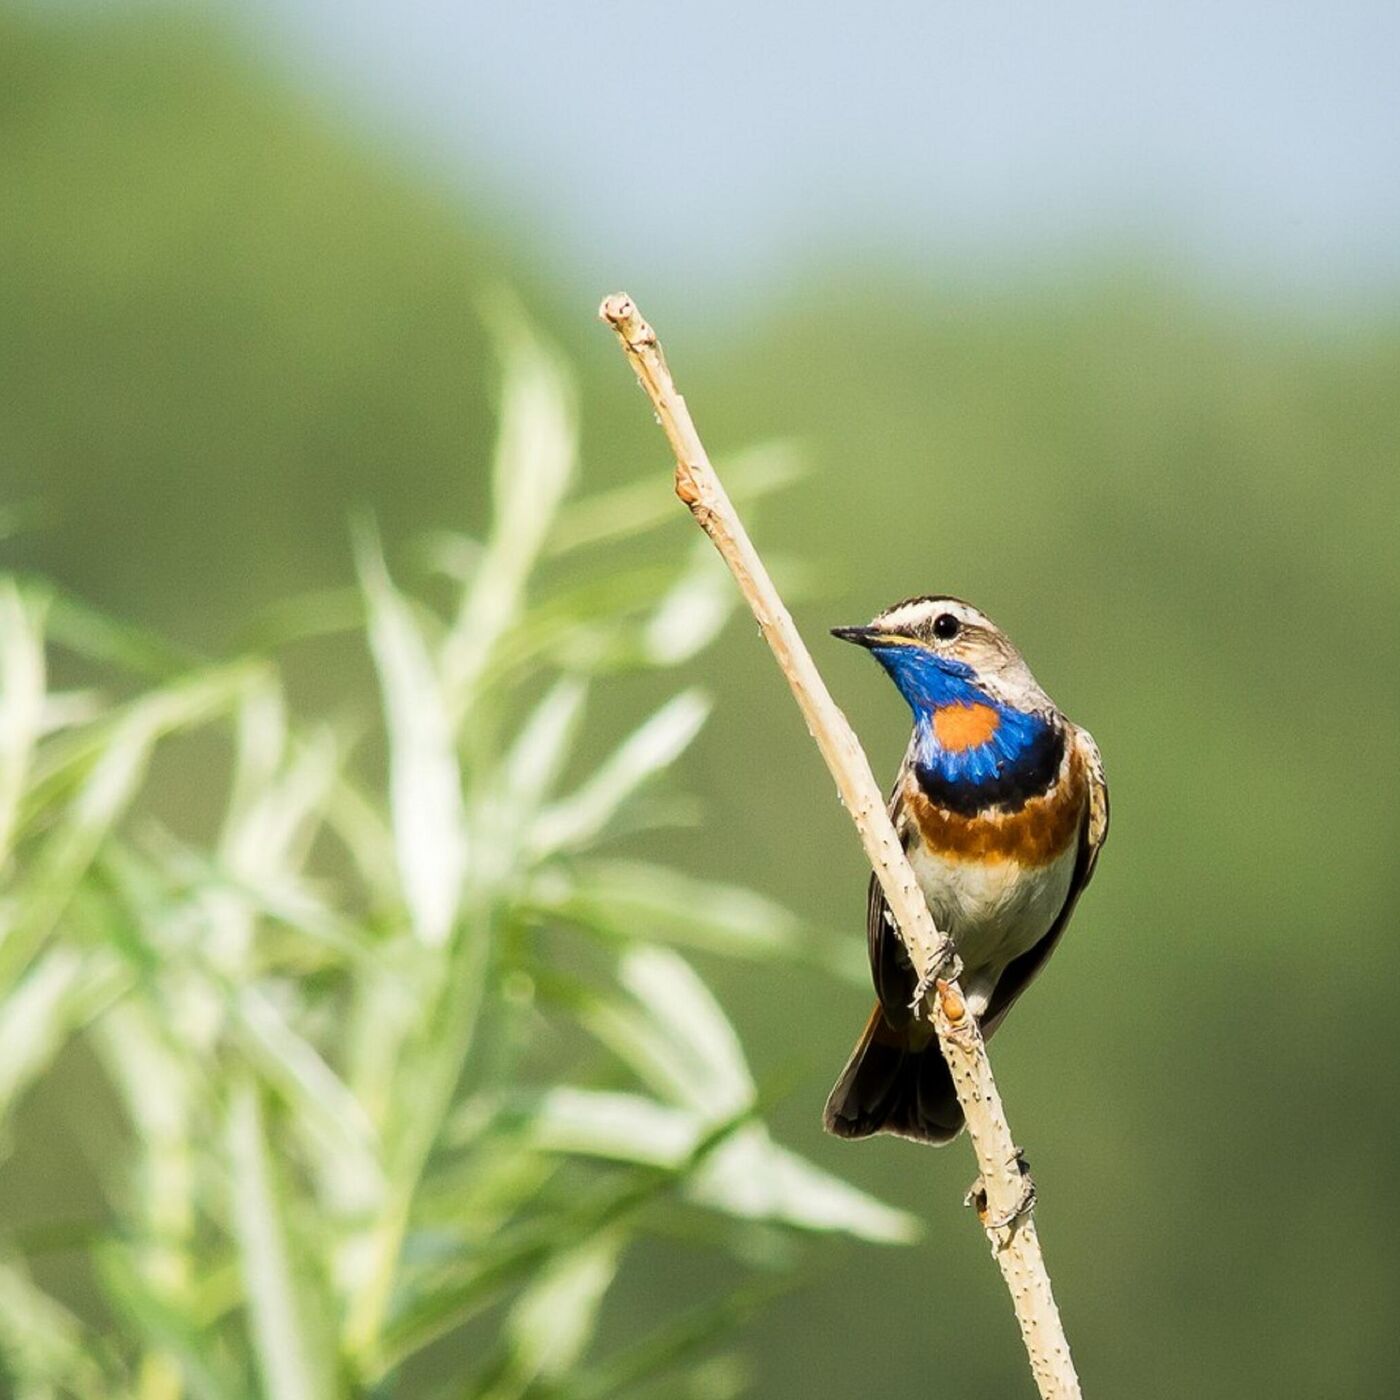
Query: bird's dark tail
x=896, y=1081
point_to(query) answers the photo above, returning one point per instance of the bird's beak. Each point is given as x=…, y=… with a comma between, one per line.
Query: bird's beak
x=863, y=636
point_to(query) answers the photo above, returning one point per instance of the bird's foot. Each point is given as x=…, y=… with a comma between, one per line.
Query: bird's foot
x=977, y=1198
x=947, y=967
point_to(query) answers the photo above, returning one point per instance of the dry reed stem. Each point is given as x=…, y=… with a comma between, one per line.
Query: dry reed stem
x=1003, y=1195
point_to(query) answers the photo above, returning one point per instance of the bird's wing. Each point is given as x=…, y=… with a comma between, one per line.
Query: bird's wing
x=1020, y=972
x=893, y=973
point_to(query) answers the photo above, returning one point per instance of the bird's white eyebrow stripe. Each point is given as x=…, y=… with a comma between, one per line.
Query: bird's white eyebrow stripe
x=919, y=608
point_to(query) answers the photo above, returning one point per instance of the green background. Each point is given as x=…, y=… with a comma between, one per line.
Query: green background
x=223, y=326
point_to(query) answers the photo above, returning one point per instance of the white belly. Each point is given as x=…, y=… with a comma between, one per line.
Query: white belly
x=993, y=910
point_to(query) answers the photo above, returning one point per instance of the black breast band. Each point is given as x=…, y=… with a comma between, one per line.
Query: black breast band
x=1026, y=775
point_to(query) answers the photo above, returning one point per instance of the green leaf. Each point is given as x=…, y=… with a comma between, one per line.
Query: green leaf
x=750, y=1176
x=644, y=505
x=418, y=1077
x=692, y=612
x=287, y=1322
x=553, y=1320
x=622, y=1127
x=537, y=757
x=446, y=1298
x=116, y=760
x=323, y=1108
x=671, y=1343
x=56, y=995
x=486, y=1187
x=318, y=613
x=581, y=818
x=46, y=1349
x=147, y=1315
x=230, y=902
x=90, y=633
x=712, y=1076
x=628, y=899
x=587, y=627
x=536, y=452
x=425, y=786
x=160, y=1093
x=746, y=1175
x=261, y=732
x=22, y=695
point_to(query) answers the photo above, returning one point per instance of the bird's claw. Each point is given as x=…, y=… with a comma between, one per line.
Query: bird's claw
x=947, y=967
x=977, y=1198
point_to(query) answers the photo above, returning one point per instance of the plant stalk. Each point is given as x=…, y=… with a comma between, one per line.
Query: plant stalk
x=1003, y=1194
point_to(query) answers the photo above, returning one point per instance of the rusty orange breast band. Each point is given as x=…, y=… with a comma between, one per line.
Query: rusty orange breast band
x=1037, y=834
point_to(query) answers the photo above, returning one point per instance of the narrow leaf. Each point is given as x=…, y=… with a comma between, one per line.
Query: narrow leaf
x=582, y=817
x=623, y=1127
x=750, y=1176
x=552, y=1322
x=283, y=1320
x=746, y=1175
x=671, y=1343
x=536, y=450
x=692, y=612
x=21, y=700
x=118, y=759
x=534, y=762
x=627, y=898
x=148, y=1316
x=323, y=1107
x=44, y=1346
x=425, y=787
x=647, y=504
x=678, y=1001
x=38, y=1015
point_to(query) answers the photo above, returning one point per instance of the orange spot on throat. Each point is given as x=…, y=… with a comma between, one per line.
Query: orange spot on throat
x=959, y=727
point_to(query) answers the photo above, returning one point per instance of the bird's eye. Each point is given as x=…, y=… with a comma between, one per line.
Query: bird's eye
x=946, y=627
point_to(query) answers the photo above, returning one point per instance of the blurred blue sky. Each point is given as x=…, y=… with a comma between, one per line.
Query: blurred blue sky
x=720, y=144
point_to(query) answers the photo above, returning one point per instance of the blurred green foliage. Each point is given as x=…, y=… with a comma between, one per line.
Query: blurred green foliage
x=226, y=326
x=344, y=1035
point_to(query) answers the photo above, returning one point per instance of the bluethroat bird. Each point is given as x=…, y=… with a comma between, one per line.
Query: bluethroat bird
x=1002, y=807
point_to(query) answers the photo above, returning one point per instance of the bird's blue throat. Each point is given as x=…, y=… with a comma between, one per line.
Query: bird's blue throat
x=971, y=753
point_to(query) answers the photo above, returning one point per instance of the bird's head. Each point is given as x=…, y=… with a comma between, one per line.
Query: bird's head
x=941, y=651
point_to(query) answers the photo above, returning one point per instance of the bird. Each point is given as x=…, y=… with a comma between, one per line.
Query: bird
x=1001, y=806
